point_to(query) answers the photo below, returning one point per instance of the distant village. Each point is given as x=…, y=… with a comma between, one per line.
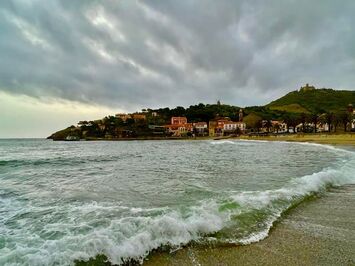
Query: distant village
x=180, y=127
x=141, y=125
x=326, y=111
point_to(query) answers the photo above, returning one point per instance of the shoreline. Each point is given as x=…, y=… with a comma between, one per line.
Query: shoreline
x=309, y=234
x=291, y=240
x=345, y=139
x=332, y=139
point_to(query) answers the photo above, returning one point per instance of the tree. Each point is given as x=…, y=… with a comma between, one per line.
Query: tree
x=303, y=119
x=345, y=119
x=314, y=119
x=253, y=121
x=329, y=118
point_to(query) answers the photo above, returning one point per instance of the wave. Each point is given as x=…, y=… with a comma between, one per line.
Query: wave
x=240, y=217
x=236, y=217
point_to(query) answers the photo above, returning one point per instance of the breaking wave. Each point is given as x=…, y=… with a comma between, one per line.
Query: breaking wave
x=236, y=217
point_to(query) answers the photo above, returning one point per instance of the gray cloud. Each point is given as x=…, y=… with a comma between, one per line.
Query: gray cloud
x=132, y=54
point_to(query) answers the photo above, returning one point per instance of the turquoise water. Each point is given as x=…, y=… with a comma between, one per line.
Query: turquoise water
x=62, y=201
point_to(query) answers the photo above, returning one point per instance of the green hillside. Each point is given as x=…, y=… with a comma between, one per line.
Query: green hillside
x=314, y=101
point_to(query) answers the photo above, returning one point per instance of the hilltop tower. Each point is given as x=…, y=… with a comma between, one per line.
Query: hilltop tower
x=240, y=115
x=307, y=88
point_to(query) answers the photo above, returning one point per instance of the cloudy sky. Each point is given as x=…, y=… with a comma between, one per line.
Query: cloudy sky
x=63, y=61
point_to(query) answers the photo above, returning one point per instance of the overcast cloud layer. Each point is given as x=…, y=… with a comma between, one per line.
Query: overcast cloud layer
x=134, y=54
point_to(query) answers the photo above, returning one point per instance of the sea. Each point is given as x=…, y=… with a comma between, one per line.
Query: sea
x=61, y=202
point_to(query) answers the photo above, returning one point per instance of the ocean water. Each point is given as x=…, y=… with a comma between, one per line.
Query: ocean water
x=63, y=201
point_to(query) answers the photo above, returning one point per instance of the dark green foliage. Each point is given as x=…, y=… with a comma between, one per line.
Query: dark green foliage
x=62, y=134
x=297, y=107
x=200, y=112
x=317, y=101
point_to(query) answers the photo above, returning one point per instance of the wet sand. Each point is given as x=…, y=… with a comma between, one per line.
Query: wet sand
x=321, y=138
x=317, y=232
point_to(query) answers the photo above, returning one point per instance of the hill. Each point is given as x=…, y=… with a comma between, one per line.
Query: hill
x=311, y=100
x=296, y=107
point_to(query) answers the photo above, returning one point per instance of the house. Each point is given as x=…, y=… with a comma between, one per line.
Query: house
x=232, y=127
x=200, y=128
x=157, y=130
x=138, y=116
x=179, y=126
x=123, y=116
x=178, y=120
x=278, y=126
x=178, y=130
x=216, y=126
x=224, y=126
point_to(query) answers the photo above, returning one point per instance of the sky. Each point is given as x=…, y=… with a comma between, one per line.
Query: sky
x=65, y=61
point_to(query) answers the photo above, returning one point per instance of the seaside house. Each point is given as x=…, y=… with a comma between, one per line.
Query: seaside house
x=278, y=126
x=123, y=116
x=231, y=127
x=179, y=126
x=178, y=120
x=200, y=128
x=225, y=126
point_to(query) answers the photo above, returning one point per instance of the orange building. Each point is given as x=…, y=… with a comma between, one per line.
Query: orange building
x=178, y=120
x=138, y=116
x=179, y=126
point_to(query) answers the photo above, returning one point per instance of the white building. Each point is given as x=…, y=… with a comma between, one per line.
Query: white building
x=233, y=126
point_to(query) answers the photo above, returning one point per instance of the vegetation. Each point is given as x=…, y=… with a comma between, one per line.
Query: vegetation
x=307, y=107
x=314, y=101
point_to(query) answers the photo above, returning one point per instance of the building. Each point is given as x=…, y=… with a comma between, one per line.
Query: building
x=123, y=116
x=138, y=116
x=231, y=127
x=307, y=88
x=178, y=130
x=240, y=115
x=200, y=128
x=179, y=126
x=178, y=120
x=224, y=126
x=279, y=126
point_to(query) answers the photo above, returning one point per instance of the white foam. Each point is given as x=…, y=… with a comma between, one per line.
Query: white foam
x=135, y=235
x=220, y=142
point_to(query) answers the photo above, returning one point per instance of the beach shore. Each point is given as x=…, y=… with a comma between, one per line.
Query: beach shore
x=317, y=232
x=332, y=139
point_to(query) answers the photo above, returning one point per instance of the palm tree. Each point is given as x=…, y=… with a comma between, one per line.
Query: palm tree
x=329, y=118
x=303, y=119
x=314, y=118
x=345, y=118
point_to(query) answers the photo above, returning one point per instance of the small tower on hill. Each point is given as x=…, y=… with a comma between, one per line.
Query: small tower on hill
x=307, y=88
x=240, y=115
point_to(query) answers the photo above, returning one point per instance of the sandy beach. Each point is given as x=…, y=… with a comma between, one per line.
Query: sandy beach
x=317, y=232
x=320, y=231
x=321, y=138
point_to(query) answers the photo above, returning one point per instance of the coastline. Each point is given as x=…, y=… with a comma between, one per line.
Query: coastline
x=332, y=139
x=318, y=231
x=345, y=139
x=310, y=234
